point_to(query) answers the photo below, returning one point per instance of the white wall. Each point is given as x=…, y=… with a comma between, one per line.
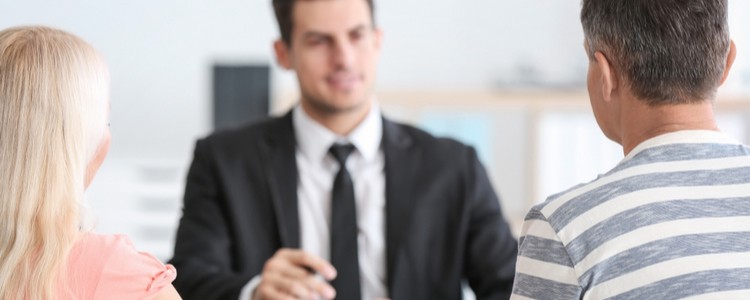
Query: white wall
x=160, y=54
x=480, y=43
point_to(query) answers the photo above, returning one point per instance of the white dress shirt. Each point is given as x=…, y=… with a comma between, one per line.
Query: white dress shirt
x=317, y=170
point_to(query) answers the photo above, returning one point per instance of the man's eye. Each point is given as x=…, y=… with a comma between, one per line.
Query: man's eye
x=316, y=41
x=357, y=35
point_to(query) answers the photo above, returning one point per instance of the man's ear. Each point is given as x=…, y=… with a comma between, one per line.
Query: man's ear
x=378, y=38
x=609, y=80
x=730, y=61
x=283, y=56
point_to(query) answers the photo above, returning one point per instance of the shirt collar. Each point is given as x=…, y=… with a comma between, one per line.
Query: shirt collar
x=314, y=139
x=683, y=137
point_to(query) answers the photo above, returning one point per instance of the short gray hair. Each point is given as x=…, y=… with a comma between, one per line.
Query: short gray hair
x=668, y=51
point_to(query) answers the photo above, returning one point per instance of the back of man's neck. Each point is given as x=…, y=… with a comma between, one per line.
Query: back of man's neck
x=642, y=122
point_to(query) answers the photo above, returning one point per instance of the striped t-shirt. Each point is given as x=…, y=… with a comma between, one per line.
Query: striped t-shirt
x=670, y=221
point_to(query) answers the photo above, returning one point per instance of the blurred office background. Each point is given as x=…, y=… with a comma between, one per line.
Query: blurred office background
x=506, y=76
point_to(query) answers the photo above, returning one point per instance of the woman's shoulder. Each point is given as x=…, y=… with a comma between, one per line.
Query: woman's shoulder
x=122, y=270
x=102, y=242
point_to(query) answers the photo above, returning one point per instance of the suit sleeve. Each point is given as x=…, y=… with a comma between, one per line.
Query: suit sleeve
x=491, y=249
x=203, y=255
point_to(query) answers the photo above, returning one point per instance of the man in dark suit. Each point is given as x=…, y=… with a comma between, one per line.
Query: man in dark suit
x=332, y=200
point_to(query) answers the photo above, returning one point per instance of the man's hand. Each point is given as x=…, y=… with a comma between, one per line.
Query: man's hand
x=291, y=274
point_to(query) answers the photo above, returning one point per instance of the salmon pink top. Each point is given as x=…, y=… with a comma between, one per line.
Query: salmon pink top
x=109, y=267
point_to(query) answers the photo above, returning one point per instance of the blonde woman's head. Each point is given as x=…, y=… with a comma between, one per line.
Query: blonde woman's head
x=54, y=91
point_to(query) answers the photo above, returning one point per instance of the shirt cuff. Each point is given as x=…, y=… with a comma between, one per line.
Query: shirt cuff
x=249, y=288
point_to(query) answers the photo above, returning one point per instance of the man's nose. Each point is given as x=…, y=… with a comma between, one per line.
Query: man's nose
x=343, y=55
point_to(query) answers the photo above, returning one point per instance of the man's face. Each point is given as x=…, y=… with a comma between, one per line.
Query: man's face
x=334, y=51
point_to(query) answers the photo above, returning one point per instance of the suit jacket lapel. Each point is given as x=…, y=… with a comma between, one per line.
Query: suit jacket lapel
x=401, y=159
x=281, y=170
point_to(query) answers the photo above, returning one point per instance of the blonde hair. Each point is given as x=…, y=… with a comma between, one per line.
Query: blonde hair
x=53, y=114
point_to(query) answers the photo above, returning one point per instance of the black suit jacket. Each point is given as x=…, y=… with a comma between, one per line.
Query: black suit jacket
x=443, y=220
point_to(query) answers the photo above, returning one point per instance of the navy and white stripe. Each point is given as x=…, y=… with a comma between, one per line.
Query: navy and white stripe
x=671, y=221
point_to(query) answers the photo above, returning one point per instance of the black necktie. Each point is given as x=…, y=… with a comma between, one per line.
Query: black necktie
x=344, y=250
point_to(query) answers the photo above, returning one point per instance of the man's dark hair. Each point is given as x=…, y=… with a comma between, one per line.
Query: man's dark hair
x=668, y=51
x=284, y=16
